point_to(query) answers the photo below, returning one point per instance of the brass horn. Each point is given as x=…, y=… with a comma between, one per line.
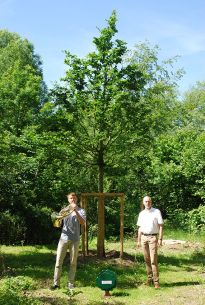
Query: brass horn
x=58, y=217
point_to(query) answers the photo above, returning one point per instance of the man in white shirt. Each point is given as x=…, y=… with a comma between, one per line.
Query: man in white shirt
x=150, y=235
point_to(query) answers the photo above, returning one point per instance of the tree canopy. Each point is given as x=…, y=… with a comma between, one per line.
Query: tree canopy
x=113, y=123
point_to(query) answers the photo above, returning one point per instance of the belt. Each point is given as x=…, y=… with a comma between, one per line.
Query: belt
x=155, y=234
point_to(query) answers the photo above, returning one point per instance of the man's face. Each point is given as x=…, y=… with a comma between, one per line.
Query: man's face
x=147, y=202
x=72, y=199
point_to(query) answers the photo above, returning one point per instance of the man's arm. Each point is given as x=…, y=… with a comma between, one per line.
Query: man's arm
x=80, y=218
x=160, y=235
x=139, y=237
x=74, y=208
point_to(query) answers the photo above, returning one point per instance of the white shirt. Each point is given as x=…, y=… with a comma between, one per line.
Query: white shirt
x=149, y=221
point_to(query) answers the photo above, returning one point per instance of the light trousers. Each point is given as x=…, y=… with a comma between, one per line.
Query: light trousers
x=150, y=245
x=62, y=248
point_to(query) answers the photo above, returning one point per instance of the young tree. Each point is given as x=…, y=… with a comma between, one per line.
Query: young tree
x=99, y=95
x=106, y=111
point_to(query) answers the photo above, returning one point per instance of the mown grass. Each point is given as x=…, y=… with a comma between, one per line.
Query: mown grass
x=28, y=273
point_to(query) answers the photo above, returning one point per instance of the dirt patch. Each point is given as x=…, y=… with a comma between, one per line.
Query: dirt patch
x=174, y=242
x=113, y=257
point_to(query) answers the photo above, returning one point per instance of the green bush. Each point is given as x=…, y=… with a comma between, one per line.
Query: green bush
x=11, y=291
x=34, y=226
x=19, y=283
x=12, y=228
x=179, y=220
x=40, y=229
x=196, y=219
x=192, y=221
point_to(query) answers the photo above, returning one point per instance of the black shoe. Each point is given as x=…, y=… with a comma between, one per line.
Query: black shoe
x=55, y=287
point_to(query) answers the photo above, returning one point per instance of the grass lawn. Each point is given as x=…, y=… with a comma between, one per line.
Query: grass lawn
x=28, y=273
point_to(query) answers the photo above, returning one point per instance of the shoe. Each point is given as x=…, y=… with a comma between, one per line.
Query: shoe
x=70, y=286
x=55, y=287
x=156, y=286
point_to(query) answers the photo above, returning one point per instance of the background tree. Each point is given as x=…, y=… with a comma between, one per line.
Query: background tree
x=22, y=90
x=22, y=93
x=178, y=157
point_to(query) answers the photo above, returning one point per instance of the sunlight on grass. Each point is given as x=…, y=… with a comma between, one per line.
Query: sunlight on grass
x=182, y=274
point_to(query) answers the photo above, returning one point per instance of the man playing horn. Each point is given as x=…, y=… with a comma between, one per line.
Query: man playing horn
x=69, y=239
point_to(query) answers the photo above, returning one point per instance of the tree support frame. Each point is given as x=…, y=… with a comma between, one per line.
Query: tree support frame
x=101, y=222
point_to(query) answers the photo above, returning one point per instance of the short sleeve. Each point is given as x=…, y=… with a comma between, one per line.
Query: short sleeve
x=82, y=213
x=139, y=220
x=159, y=217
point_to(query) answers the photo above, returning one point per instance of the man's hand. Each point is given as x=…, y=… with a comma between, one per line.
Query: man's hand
x=73, y=206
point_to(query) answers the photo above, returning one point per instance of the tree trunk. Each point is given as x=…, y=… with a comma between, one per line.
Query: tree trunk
x=101, y=208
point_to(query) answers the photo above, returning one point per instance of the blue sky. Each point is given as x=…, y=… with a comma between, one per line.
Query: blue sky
x=177, y=27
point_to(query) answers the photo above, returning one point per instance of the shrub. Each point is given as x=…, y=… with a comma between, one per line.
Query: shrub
x=19, y=283
x=40, y=229
x=196, y=219
x=12, y=228
x=11, y=289
x=178, y=219
x=192, y=221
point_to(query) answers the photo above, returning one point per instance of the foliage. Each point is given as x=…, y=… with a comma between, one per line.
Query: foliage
x=19, y=283
x=40, y=217
x=22, y=90
x=12, y=288
x=12, y=228
x=196, y=220
x=110, y=106
x=177, y=162
x=22, y=93
x=114, y=123
x=170, y=183
x=179, y=220
x=192, y=221
x=112, y=101
x=98, y=100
